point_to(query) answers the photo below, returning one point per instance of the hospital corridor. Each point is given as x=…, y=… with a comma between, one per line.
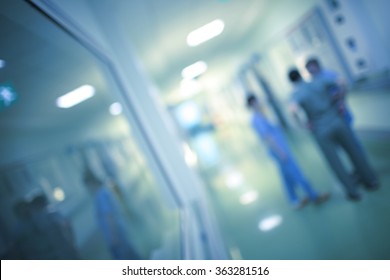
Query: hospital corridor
x=194, y=130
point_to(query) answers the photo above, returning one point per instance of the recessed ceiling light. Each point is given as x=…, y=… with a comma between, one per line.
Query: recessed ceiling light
x=205, y=33
x=76, y=96
x=194, y=70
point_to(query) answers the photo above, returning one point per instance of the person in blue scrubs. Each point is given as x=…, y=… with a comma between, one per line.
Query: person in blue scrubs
x=110, y=219
x=279, y=151
x=42, y=232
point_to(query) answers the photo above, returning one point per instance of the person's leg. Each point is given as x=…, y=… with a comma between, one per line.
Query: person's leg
x=348, y=117
x=288, y=183
x=354, y=149
x=295, y=173
x=328, y=148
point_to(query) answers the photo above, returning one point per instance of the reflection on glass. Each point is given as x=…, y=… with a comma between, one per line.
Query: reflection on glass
x=76, y=96
x=118, y=212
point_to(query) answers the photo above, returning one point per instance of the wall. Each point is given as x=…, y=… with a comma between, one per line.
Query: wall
x=378, y=11
x=21, y=145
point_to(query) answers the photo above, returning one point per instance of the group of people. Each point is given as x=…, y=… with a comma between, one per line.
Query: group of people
x=323, y=103
x=42, y=232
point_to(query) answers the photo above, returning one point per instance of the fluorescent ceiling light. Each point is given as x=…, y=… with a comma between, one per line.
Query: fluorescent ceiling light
x=205, y=33
x=115, y=109
x=194, y=70
x=76, y=96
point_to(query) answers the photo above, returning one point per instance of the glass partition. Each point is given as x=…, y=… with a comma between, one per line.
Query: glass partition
x=74, y=182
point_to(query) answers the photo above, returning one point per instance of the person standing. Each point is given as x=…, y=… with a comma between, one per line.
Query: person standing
x=110, y=218
x=331, y=132
x=42, y=233
x=279, y=151
x=338, y=90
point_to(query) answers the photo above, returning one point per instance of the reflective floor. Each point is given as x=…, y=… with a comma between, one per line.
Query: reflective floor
x=258, y=223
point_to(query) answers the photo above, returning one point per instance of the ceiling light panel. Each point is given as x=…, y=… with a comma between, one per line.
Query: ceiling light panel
x=205, y=33
x=194, y=70
x=76, y=96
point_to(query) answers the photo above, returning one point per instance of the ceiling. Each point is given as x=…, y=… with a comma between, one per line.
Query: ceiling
x=43, y=62
x=161, y=42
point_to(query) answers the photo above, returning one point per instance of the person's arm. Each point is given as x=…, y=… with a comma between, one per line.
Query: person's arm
x=340, y=89
x=297, y=113
x=274, y=146
x=268, y=139
x=337, y=85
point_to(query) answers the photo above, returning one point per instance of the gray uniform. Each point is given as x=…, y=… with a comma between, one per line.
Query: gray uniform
x=331, y=132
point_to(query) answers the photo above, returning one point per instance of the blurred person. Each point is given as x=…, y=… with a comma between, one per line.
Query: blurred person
x=42, y=233
x=22, y=243
x=110, y=218
x=338, y=90
x=279, y=151
x=330, y=131
x=270, y=95
x=57, y=227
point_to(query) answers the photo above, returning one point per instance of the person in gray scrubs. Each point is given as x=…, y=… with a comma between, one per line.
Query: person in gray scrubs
x=331, y=132
x=338, y=91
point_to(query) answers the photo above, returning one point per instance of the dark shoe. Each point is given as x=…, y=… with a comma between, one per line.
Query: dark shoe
x=322, y=198
x=301, y=204
x=373, y=186
x=354, y=197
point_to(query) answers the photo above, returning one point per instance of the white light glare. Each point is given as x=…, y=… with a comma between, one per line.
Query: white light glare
x=234, y=179
x=7, y=96
x=2, y=63
x=205, y=33
x=189, y=87
x=189, y=156
x=75, y=96
x=194, y=70
x=58, y=194
x=248, y=197
x=269, y=223
x=115, y=109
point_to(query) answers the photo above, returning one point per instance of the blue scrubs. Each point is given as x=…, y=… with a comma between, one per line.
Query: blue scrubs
x=288, y=168
x=112, y=224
